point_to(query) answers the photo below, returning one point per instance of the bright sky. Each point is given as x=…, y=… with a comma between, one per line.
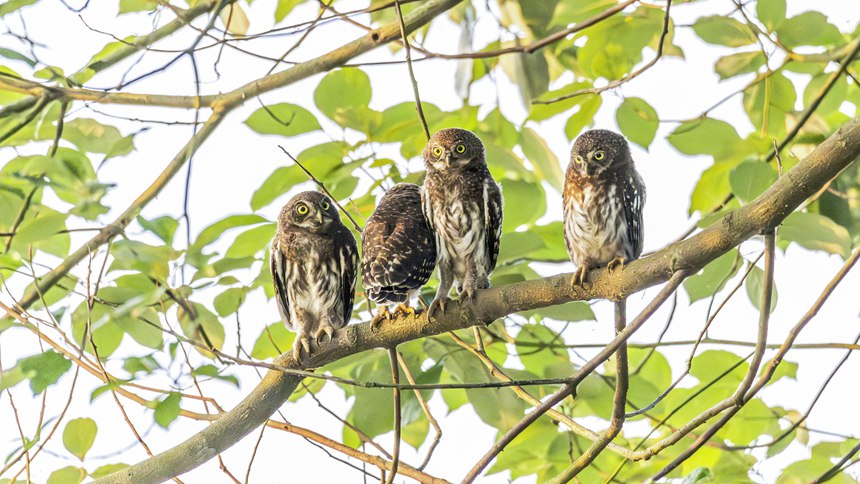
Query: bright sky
x=236, y=160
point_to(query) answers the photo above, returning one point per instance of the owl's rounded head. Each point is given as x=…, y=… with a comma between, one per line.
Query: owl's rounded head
x=309, y=210
x=453, y=149
x=596, y=150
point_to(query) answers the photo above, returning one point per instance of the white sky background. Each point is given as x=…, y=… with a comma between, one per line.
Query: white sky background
x=235, y=161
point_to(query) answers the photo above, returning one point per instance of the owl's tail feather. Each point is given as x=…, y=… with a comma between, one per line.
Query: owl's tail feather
x=388, y=295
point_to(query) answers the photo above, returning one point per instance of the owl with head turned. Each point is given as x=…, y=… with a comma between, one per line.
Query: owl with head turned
x=463, y=206
x=314, y=263
x=603, y=199
x=398, y=252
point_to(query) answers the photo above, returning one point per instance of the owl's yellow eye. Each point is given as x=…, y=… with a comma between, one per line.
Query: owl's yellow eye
x=325, y=205
x=302, y=209
x=437, y=151
x=460, y=149
x=599, y=155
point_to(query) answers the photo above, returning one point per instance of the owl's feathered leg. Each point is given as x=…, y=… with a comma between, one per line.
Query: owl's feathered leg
x=302, y=342
x=382, y=315
x=446, y=280
x=471, y=281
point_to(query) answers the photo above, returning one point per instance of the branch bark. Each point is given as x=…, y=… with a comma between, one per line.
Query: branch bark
x=686, y=256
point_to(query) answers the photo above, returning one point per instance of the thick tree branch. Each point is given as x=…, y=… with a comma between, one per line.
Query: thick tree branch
x=687, y=256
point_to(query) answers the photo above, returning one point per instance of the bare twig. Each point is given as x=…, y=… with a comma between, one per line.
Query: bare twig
x=408, y=49
x=395, y=379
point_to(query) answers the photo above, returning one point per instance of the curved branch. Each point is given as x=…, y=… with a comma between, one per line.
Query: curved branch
x=687, y=256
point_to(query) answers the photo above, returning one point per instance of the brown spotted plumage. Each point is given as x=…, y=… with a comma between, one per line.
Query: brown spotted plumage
x=398, y=250
x=314, y=263
x=603, y=200
x=463, y=205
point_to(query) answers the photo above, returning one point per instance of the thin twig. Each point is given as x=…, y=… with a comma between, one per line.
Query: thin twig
x=628, y=77
x=395, y=379
x=408, y=49
x=322, y=187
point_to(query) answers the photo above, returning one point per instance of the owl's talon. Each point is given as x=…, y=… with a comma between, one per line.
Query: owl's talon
x=303, y=342
x=382, y=315
x=438, y=303
x=616, y=263
x=468, y=295
x=579, y=276
x=403, y=309
x=324, y=330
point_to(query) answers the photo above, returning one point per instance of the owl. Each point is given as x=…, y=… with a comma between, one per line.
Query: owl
x=398, y=251
x=603, y=200
x=463, y=206
x=314, y=263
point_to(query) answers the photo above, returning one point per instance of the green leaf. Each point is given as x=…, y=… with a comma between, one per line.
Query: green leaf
x=808, y=28
x=67, y=475
x=712, y=188
x=274, y=340
x=755, y=284
x=638, y=121
x=92, y=136
x=251, y=241
x=284, y=8
x=740, y=63
x=529, y=72
x=229, y=300
x=148, y=259
x=705, y=136
x=583, y=117
x=144, y=364
x=283, y=119
x=771, y=13
x=816, y=232
x=213, y=232
x=342, y=89
x=834, y=98
x=167, y=410
x=767, y=103
x=203, y=327
x=44, y=370
x=12, y=5
x=700, y=474
x=517, y=214
x=79, y=435
x=750, y=179
x=163, y=227
x=212, y=371
x=712, y=278
x=535, y=347
x=572, y=311
x=720, y=30
x=129, y=6
x=540, y=155
x=37, y=229
x=11, y=377
x=107, y=336
x=11, y=54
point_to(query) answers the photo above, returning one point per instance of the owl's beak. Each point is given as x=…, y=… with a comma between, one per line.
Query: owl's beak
x=319, y=217
x=448, y=159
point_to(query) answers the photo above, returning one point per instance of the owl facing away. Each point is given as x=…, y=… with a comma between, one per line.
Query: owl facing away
x=314, y=263
x=463, y=205
x=398, y=251
x=603, y=199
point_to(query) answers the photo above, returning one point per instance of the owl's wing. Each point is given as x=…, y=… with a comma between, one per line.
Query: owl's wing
x=278, y=266
x=348, y=254
x=633, y=201
x=426, y=206
x=492, y=219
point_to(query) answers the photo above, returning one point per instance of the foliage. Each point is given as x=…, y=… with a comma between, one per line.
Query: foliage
x=166, y=287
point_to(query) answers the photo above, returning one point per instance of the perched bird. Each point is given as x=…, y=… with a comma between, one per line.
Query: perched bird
x=314, y=264
x=463, y=205
x=603, y=200
x=398, y=251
